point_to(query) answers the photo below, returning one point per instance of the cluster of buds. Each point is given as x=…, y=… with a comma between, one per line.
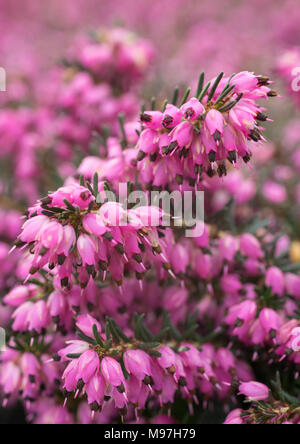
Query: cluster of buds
x=265, y=408
x=71, y=230
x=115, y=56
x=205, y=131
x=82, y=95
x=134, y=367
x=27, y=370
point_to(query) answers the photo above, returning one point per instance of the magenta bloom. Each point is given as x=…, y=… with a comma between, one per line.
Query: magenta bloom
x=137, y=362
x=255, y=391
x=275, y=280
x=112, y=372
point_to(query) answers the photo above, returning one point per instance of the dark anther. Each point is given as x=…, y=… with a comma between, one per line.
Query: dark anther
x=148, y=380
x=167, y=121
x=95, y=407
x=80, y=384
x=56, y=357
x=153, y=157
x=217, y=136
x=210, y=172
x=189, y=113
x=182, y=381
x=263, y=80
x=108, y=236
x=255, y=135
x=56, y=319
x=212, y=156
x=232, y=156
x=222, y=170
x=64, y=282
x=141, y=155
x=179, y=179
x=46, y=200
x=119, y=248
x=261, y=116
x=145, y=117
x=246, y=158
x=121, y=388
x=91, y=270
x=238, y=323
x=61, y=259
x=138, y=258
x=102, y=265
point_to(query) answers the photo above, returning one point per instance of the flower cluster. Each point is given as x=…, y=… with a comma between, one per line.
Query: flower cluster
x=265, y=408
x=68, y=230
x=205, y=131
x=114, y=365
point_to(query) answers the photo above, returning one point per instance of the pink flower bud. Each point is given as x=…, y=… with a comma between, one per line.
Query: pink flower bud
x=234, y=417
x=70, y=376
x=275, y=279
x=183, y=134
x=88, y=365
x=95, y=390
x=74, y=347
x=230, y=284
x=152, y=119
x=228, y=247
x=94, y=224
x=87, y=249
x=52, y=235
x=39, y=317
x=225, y=359
x=68, y=241
x=214, y=121
x=294, y=342
x=175, y=298
x=137, y=362
x=250, y=246
x=137, y=392
x=172, y=116
x=292, y=284
x=57, y=304
x=274, y=192
x=270, y=321
x=10, y=378
x=17, y=296
x=85, y=324
x=192, y=109
x=255, y=391
x=112, y=372
x=32, y=227
x=21, y=316
x=179, y=258
x=148, y=141
x=244, y=81
x=243, y=312
x=167, y=359
x=30, y=366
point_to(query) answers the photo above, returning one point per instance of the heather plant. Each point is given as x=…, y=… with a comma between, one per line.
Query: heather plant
x=114, y=307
